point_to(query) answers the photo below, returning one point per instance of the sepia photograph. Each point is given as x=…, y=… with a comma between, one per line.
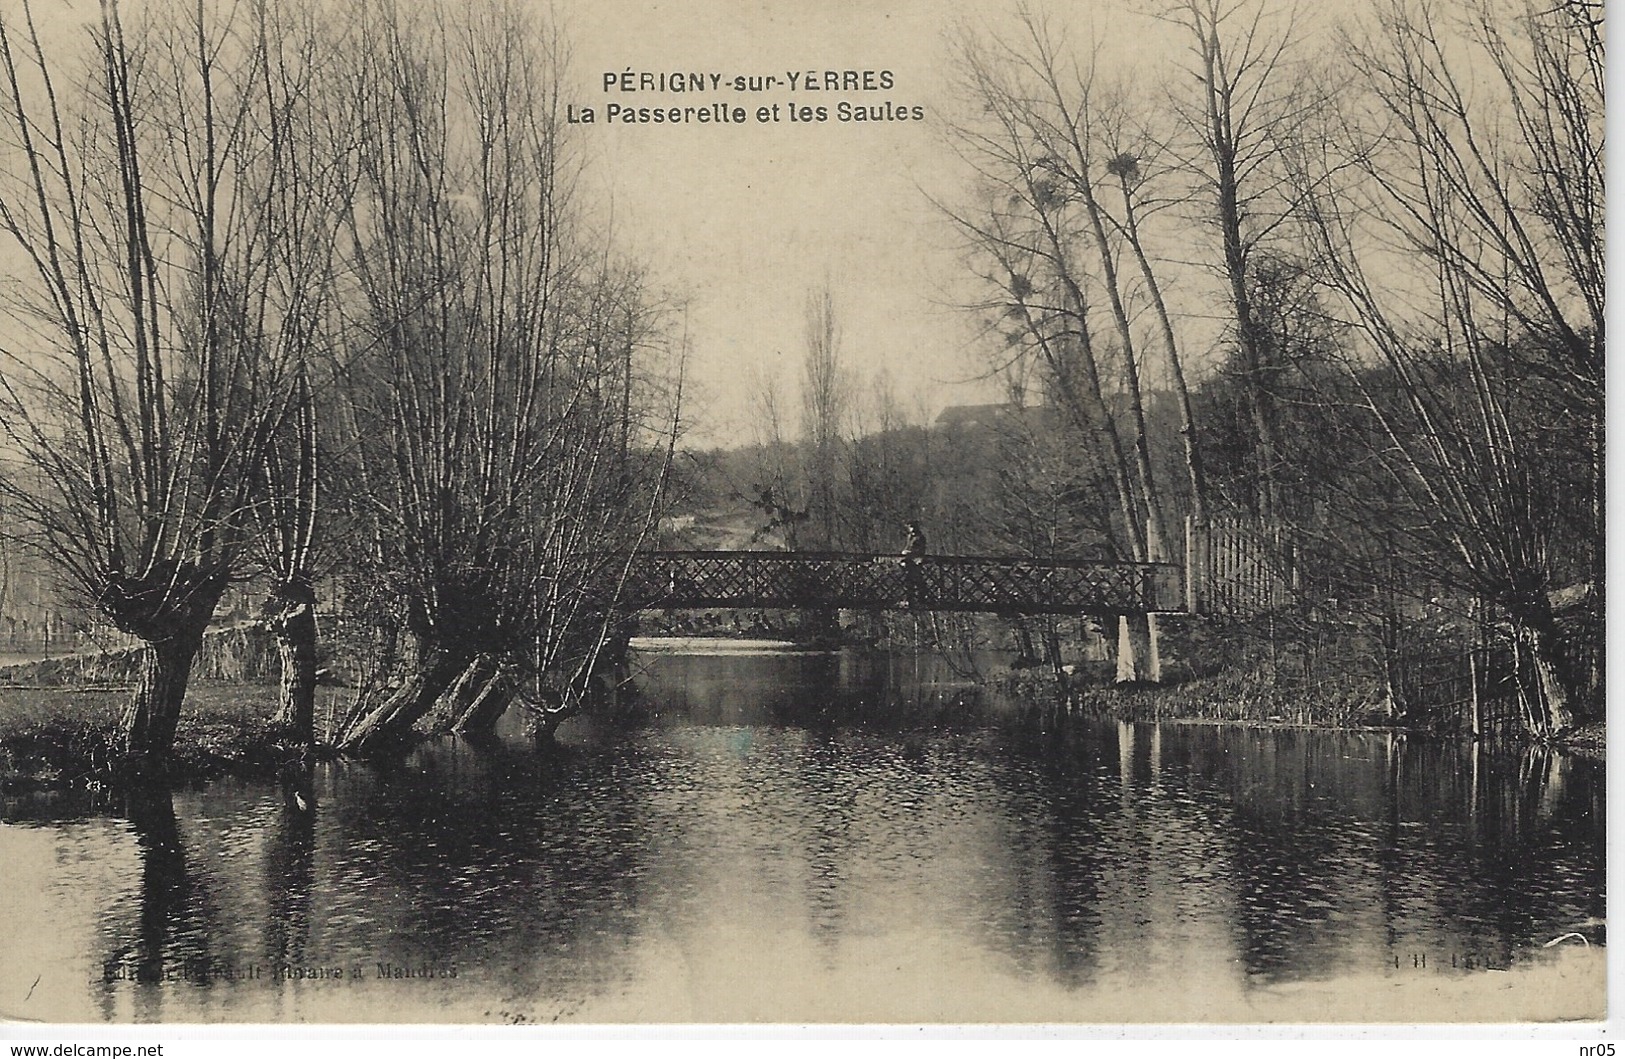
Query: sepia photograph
x=1081, y=513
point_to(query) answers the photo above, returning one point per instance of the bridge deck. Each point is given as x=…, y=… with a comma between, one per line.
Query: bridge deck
x=879, y=582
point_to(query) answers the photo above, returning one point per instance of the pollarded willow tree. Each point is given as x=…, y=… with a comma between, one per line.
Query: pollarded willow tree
x=500, y=364
x=301, y=269
x=1458, y=217
x=143, y=371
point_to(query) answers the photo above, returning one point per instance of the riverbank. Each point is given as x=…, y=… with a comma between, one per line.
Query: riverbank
x=67, y=738
x=1247, y=700
x=1239, y=698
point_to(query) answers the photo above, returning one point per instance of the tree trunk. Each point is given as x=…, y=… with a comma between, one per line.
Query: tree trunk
x=555, y=701
x=1024, y=644
x=1550, y=697
x=1538, y=635
x=548, y=715
x=1156, y=531
x=487, y=706
x=1052, y=647
x=1393, y=669
x=1250, y=341
x=1176, y=366
x=291, y=615
x=390, y=725
x=455, y=700
x=618, y=644
x=155, y=710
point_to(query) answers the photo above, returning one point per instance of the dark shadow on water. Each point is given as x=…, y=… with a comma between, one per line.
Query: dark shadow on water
x=166, y=886
x=174, y=914
x=875, y=690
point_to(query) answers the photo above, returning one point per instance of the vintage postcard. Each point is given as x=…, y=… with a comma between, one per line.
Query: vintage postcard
x=1080, y=513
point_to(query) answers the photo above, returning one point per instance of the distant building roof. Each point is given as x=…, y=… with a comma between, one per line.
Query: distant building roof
x=964, y=415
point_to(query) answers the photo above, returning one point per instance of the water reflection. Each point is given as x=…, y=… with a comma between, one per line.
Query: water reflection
x=816, y=836
x=290, y=869
x=170, y=899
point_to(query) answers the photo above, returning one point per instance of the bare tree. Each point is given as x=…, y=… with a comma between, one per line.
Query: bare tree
x=288, y=523
x=888, y=474
x=1252, y=99
x=825, y=396
x=1127, y=167
x=778, y=491
x=504, y=434
x=1051, y=253
x=148, y=387
x=308, y=146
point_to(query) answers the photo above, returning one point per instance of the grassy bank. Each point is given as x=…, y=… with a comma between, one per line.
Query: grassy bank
x=1251, y=699
x=63, y=738
x=1240, y=698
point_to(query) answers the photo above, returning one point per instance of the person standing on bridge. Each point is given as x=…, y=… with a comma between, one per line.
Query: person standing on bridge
x=914, y=545
x=913, y=552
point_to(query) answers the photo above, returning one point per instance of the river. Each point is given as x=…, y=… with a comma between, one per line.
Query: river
x=802, y=837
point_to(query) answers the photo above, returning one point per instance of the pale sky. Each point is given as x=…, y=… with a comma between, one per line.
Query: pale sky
x=750, y=218
x=747, y=219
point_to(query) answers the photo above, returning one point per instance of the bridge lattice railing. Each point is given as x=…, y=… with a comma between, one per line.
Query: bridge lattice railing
x=860, y=581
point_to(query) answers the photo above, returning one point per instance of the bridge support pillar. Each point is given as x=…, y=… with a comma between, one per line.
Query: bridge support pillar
x=1139, y=654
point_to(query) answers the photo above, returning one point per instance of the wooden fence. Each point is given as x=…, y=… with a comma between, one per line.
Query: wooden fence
x=1237, y=567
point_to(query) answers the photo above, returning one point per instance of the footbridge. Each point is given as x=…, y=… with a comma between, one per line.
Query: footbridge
x=669, y=579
